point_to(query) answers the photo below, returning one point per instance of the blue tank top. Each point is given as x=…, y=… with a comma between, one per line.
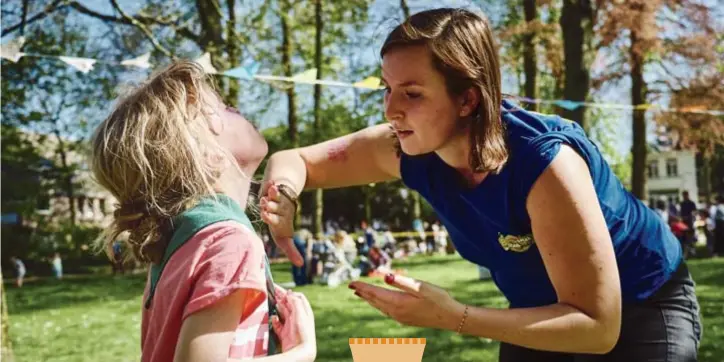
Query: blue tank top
x=489, y=224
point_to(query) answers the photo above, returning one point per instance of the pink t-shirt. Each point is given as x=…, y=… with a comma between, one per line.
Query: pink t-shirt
x=215, y=262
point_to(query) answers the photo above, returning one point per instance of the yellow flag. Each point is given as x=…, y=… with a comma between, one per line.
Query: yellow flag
x=368, y=83
x=305, y=76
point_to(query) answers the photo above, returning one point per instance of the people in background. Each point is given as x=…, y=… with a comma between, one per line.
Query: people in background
x=718, y=216
x=302, y=240
x=19, y=271
x=687, y=208
x=57, y=264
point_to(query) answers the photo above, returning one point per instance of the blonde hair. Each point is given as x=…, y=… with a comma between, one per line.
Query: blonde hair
x=155, y=153
x=464, y=51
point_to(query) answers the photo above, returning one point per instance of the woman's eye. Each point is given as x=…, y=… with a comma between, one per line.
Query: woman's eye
x=387, y=90
x=413, y=95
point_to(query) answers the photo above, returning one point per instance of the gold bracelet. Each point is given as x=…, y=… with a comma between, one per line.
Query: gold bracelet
x=462, y=322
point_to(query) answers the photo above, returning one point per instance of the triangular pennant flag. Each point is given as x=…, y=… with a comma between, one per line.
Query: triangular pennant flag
x=205, y=62
x=243, y=72
x=305, y=76
x=368, y=83
x=566, y=104
x=139, y=62
x=84, y=65
x=11, y=49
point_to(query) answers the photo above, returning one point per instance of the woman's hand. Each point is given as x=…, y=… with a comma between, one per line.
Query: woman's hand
x=417, y=303
x=297, y=328
x=278, y=211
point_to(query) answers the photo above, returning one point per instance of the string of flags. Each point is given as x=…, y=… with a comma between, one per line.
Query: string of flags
x=12, y=51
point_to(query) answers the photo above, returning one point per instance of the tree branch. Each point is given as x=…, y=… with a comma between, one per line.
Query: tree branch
x=144, y=29
x=143, y=19
x=55, y=5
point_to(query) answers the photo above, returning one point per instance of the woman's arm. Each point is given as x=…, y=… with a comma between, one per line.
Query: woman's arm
x=574, y=242
x=207, y=334
x=359, y=158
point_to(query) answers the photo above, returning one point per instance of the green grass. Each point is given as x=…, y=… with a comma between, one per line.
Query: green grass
x=97, y=318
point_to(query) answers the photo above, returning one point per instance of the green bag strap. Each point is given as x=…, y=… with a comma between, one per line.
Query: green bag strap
x=207, y=211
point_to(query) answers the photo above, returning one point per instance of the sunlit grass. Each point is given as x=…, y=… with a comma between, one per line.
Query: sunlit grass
x=97, y=318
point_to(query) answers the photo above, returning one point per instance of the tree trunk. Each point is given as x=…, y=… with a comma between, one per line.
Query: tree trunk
x=287, y=65
x=638, y=96
x=319, y=199
x=529, y=59
x=66, y=176
x=233, y=54
x=405, y=9
x=573, y=16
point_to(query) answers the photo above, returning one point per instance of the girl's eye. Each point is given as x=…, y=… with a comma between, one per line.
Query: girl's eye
x=413, y=95
x=387, y=90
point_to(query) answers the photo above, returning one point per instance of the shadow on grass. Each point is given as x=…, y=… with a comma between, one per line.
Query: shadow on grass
x=52, y=294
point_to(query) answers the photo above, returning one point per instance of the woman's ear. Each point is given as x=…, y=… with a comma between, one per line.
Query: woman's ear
x=469, y=101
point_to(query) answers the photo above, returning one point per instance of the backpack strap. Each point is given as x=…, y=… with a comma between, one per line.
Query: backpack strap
x=207, y=211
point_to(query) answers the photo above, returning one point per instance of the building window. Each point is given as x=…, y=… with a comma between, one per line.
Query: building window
x=672, y=169
x=653, y=169
x=102, y=205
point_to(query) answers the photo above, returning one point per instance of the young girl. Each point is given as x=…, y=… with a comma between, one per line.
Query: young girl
x=178, y=160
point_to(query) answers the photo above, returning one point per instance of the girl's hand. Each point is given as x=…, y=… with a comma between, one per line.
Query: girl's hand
x=278, y=211
x=298, y=326
x=417, y=303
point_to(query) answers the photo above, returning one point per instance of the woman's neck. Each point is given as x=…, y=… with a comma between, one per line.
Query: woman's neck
x=456, y=154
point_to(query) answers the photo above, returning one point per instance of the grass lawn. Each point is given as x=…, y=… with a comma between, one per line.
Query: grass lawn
x=97, y=318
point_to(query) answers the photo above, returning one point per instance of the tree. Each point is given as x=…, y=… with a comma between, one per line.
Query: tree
x=529, y=57
x=576, y=28
x=660, y=34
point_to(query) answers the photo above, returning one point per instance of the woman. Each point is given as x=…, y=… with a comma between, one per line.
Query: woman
x=588, y=269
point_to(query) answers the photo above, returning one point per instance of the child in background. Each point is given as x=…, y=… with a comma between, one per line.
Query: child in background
x=19, y=270
x=57, y=263
x=178, y=161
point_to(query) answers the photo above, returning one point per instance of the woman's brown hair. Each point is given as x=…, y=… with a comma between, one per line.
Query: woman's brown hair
x=464, y=51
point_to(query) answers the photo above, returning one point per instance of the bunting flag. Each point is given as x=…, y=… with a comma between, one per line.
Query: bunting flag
x=84, y=65
x=205, y=62
x=369, y=83
x=566, y=104
x=138, y=62
x=11, y=49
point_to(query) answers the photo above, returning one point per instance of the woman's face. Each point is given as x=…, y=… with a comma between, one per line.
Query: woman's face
x=424, y=115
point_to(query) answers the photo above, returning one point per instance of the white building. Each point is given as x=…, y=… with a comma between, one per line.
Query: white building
x=670, y=173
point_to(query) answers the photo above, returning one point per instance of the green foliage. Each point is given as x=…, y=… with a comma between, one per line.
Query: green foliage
x=604, y=132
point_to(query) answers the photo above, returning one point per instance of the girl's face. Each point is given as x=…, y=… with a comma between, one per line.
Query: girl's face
x=425, y=117
x=238, y=135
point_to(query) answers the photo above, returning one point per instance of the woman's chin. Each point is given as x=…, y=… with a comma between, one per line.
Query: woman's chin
x=413, y=149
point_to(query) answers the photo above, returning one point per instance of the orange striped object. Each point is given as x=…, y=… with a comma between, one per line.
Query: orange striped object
x=387, y=349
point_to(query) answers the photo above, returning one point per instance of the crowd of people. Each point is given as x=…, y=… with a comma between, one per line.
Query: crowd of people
x=338, y=256
x=692, y=224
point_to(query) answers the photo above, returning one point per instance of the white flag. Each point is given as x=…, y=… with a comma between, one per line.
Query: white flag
x=139, y=62
x=205, y=62
x=11, y=50
x=84, y=65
